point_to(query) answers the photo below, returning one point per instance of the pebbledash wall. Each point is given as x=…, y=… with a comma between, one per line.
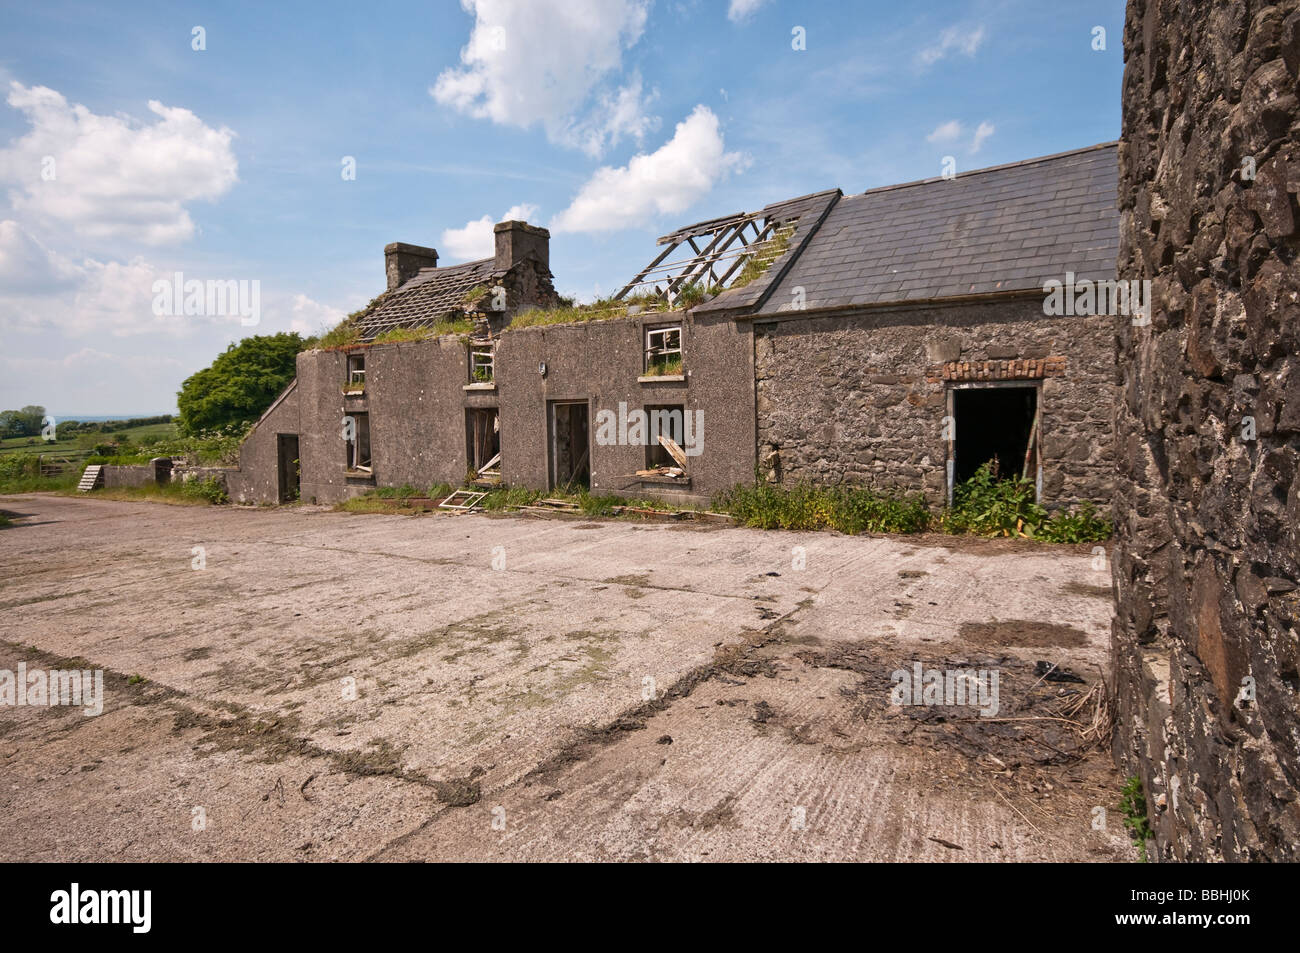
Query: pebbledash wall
x=860, y=396
x=1207, y=555
x=857, y=397
x=417, y=394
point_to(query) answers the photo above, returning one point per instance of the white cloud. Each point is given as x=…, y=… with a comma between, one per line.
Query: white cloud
x=309, y=317
x=476, y=239
x=947, y=132
x=114, y=177
x=740, y=10
x=984, y=130
x=546, y=61
x=954, y=39
x=663, y=182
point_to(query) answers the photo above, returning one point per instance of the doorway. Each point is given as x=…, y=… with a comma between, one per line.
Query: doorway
x=483, y=440
x=289, y=467
x=998, y=425
x=570, y=445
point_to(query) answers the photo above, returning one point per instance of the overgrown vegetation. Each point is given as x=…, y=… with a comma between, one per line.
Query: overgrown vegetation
x=760, y=259
x=846, y=509
x=982, y=506
x=664, y=365
x=462, y=327
x=498, y=499
x=1133, y=805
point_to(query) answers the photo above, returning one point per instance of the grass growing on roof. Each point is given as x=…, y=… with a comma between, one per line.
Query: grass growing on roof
x=760, y=259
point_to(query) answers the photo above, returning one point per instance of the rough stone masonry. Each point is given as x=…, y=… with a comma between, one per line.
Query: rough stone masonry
x=1207, y=425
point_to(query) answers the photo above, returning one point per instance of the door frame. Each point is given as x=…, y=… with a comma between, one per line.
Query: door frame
x=1035, y=432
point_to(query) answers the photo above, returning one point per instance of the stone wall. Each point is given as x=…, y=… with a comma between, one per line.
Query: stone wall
x=860, y=398
x=1207, y=426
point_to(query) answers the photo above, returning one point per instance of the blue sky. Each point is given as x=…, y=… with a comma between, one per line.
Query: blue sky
x=608, y=121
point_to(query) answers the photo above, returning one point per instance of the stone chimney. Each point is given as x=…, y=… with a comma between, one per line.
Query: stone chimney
x=402, y=262
x=519, y=241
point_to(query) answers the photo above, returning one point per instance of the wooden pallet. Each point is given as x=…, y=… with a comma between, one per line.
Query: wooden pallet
x=91, y=479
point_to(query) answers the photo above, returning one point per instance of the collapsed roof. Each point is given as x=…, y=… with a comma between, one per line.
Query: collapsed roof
x=999, y=230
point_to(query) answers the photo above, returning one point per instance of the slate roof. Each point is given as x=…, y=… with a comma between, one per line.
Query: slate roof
x=990, y=231
x=805, y=213
x=432, y=295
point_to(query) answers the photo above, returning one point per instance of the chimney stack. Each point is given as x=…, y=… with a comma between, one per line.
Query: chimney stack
x=519, y=241
x=402, y=262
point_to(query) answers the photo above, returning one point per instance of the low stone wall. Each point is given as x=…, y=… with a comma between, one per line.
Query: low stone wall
x=1207, y=555
x=155, y=471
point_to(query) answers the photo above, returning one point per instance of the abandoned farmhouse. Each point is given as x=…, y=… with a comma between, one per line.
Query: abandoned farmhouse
x=895, y=338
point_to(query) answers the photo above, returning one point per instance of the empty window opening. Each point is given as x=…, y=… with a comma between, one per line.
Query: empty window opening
x=570, y=445
x=481, y=365
x=663, y=351
x=356, y=372
x=357, y=436
x=663, y=420
x=997, y=425
x=483, y=442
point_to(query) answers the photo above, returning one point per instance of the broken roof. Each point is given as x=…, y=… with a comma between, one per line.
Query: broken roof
x=433, y=295
x=991, y=231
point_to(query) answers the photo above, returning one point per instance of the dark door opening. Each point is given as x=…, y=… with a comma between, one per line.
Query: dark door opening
x=286, y=446
x=483, y=441
x=570, y=445
x=995, y=424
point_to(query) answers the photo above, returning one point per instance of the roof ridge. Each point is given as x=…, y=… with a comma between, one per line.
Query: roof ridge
x=990, y=168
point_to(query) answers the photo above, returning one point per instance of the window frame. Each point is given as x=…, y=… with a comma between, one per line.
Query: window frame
x=661, y=353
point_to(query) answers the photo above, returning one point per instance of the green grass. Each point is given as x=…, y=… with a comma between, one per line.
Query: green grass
x=189, y=493
x=84, y=442
x=5, y=522
x=458, y=326
x=496, y=500
x=846, y=509
x=982, y=506
x=1133, y=805
x=665, y=366
x=757, y=263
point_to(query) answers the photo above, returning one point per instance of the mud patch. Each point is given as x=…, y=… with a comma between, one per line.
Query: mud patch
x=461, y=792
x=1023, y=632
x=1076, y=588
x=1037, y=723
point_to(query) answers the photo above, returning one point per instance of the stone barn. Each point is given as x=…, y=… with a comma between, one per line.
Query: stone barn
x=896, y=338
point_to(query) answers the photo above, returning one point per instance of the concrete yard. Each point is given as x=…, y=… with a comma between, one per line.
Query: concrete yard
x=538, y=689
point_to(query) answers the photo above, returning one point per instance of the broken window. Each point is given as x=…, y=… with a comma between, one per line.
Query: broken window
x=356, y=379
x=663, y=351
x=665, y=421
x=357, y=436
x=483, y=442
x=481, y=365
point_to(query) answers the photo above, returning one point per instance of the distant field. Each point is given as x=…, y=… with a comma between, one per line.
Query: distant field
x=83, y=442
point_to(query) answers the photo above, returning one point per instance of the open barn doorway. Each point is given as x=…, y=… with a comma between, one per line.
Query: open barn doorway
x=998, y=425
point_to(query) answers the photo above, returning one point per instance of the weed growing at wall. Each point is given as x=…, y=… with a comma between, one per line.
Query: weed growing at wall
x=982, y=506
x=1133, y=805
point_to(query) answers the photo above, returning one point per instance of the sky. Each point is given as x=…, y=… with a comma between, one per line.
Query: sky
x=283, y=145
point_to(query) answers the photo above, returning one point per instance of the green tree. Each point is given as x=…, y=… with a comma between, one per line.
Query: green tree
x=22, y=423
x=241, y=383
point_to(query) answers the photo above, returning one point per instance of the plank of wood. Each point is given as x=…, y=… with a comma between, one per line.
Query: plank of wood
x=674, y=451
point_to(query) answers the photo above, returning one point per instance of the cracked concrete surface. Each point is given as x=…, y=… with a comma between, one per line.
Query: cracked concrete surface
x=343, y=687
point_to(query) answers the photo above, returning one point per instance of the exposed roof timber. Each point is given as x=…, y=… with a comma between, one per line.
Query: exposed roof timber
x=723, y=234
